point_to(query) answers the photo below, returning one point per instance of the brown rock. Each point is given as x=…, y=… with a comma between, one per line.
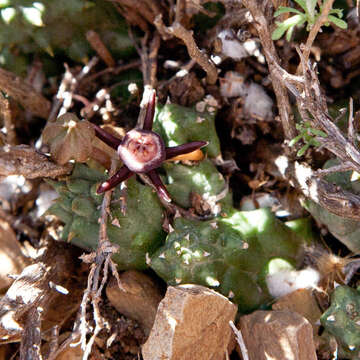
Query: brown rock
x=138, y=299
x=192, y=322
x=277, y=335
x=301, y=301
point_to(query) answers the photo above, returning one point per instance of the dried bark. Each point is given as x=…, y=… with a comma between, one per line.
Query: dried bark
x=24, y=93
x=26, y=161
x=37, y=290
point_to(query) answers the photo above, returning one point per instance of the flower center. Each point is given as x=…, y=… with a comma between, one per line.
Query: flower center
x=142, y=150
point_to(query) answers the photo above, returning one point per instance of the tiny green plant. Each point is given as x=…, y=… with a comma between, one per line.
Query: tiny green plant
x=310, y=15
x=308, y=135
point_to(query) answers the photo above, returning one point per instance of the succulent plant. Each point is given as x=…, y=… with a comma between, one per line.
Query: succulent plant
x=342, y=320
x=229, y=253
x=142, y=151
x=40, y=29
x=78, y=207
x=178, y=124
x=183, y=181
x=345, y=230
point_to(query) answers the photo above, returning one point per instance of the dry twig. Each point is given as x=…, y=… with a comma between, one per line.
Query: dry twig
x=140, y=12
x=316, y=28
x=149, y=59
x=272, y=58
x=306, y=88
x=177, y=30
x=240, y=341
x=312, y=99
x=30, y=345
x=328, y=196
x=97, y=44
x=5, y=110
x=68, y=86
x=101, y=260
x=116, y=70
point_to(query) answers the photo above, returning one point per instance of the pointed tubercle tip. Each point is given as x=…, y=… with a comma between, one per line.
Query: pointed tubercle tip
x=102, y=188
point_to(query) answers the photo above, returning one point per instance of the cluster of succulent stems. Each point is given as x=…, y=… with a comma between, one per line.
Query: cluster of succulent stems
x=143, y=151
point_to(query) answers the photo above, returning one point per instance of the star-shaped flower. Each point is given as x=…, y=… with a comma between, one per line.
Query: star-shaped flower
x=142, y=151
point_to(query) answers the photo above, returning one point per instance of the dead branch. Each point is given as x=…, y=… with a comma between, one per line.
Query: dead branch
x=316, y=28
x=97, y=44
x=37, y=287
x=177, y=30
x=312, y=99
x=30, y=345
x=351, y=123
x=337, y=168
x=100, y=260
x=24, y=94
x=68, y=86
x=116, y=70
x=140, y=12
x=263, y=29
x=26, y=161
x=5, y=110
x=240, y=341
x=306, y=88
x=328, y=196
x=149, y=59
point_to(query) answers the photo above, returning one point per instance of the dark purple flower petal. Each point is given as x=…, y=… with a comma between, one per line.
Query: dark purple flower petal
x=107, y=138
x=184, y=148
x=150, y=111
x=142, y=150
x=123, y=174
x=159, y=186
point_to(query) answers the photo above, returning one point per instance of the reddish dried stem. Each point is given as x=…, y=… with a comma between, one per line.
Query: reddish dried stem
x=184, y=148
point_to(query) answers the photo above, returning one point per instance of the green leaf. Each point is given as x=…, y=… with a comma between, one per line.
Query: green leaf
x=310, y=5
x=301, y=152
x=314, y=142
x=285, y=9
x=285, y=25
x=301, y=22
x=338, y=22
x=338, y=12
x=278, y=32
x=289, y=33
x=302, y=3
x=295, y=140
